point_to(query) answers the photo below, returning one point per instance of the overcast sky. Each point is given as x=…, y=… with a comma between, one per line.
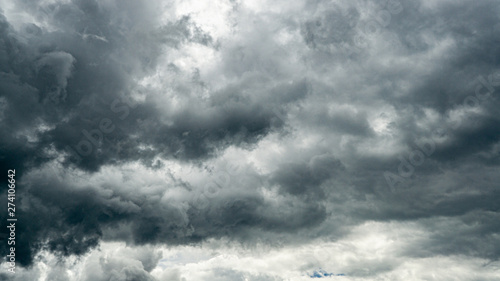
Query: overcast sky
x=252, y=140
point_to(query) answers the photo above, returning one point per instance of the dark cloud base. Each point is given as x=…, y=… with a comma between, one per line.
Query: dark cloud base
x=71, y=96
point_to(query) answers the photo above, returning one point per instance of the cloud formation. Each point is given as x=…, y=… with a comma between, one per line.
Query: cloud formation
x=264, y=125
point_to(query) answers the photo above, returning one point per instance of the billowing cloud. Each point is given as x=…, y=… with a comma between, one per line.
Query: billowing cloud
x=267, y=126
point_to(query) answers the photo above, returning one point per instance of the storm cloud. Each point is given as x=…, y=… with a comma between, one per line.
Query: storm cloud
x=173, y=140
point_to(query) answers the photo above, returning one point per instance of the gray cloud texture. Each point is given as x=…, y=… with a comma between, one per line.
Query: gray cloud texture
x=136, y=122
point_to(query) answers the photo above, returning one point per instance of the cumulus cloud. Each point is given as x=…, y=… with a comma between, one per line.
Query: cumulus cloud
x=251, y=126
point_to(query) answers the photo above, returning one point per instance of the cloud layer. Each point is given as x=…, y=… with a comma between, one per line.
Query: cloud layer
x=262, y=125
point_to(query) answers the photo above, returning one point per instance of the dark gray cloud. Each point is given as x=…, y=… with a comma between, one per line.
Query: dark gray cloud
x=123, y=119
x=101, y=55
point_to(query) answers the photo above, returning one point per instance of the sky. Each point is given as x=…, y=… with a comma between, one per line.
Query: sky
x=251, y=140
